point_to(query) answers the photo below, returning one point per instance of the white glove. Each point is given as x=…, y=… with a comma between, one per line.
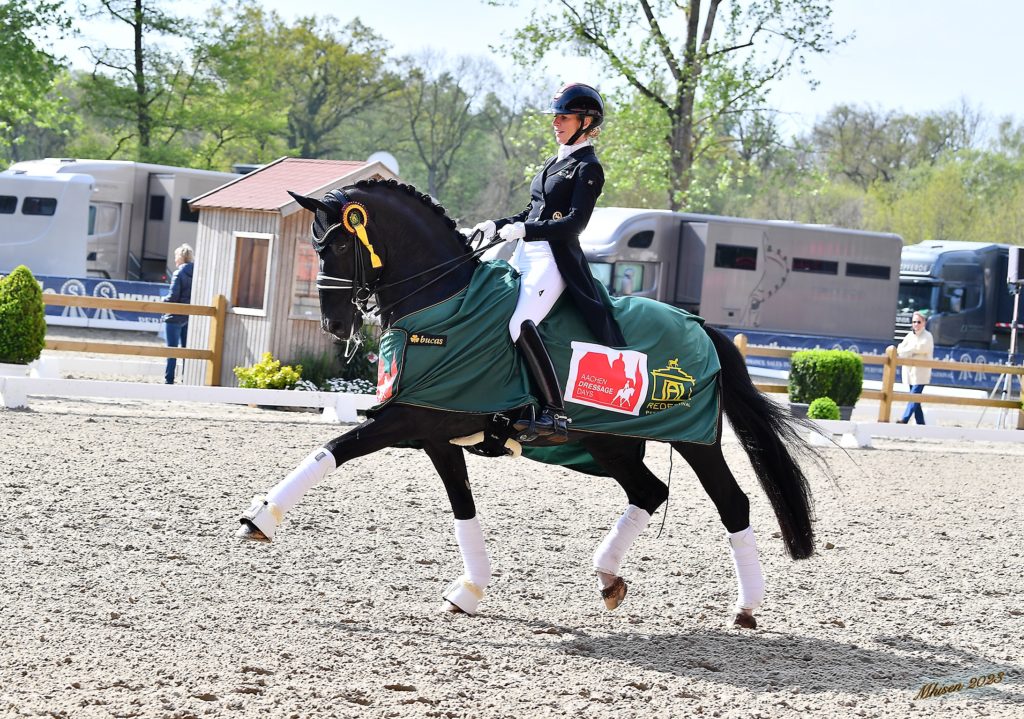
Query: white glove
x=515, y=231
x=487, y=227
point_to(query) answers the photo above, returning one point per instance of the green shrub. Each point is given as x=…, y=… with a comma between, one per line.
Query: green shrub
x=837, y=374
x=22, y=317
x=317, y=369
x=268, y=373
x=823, y=408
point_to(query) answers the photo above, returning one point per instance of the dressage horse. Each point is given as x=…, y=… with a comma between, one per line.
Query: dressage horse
x=385, y=243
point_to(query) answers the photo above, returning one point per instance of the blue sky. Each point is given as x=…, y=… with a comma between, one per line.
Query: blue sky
x=910, y=55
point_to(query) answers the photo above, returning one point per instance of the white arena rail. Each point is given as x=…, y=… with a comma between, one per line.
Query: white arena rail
x=337, y=406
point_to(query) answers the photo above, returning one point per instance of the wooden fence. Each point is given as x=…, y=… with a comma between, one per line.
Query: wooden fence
x=887, y=394
x=214, y=355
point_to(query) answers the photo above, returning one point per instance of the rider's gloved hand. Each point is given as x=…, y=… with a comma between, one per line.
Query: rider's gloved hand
x=487, y=227
x=515, y=231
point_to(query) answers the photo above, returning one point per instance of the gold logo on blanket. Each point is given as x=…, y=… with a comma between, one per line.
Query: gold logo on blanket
x=430, y=340
x=672, y=385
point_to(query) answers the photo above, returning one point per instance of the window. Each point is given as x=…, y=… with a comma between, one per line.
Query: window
x=629, y=278
x=642, y=239
x=252, y=260
x=821, y=267
x=156, y=207
x=736, y=257
x=7, y=204
x=602, y=272
x=305, y=300
x=873, y=272
x=185, y=214
x=46, y=206
x=102, y=218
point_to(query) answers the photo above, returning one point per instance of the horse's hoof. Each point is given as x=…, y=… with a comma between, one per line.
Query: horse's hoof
x=451, y=608
x=614, y=594
x=744, y=619
x=251, y=532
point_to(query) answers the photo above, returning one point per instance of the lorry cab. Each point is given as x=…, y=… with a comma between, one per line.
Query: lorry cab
x=963, y=287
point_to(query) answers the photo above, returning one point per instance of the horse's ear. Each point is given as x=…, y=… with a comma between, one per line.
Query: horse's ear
x=310, y=203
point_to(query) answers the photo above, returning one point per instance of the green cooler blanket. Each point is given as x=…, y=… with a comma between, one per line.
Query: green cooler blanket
x=457, y=355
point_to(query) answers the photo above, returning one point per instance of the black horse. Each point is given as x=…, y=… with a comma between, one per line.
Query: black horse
x=385, y=242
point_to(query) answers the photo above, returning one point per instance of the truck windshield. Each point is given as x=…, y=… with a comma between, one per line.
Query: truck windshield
x=602, y=272
x=915, y=296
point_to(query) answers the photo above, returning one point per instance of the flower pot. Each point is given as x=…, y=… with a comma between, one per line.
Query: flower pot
x=799, y=410
x=13, y=370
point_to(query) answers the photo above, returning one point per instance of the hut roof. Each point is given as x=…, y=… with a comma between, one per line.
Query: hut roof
x=266, y=189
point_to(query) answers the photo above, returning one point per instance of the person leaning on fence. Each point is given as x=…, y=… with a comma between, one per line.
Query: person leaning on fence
x=918, y=344
x=176, y=326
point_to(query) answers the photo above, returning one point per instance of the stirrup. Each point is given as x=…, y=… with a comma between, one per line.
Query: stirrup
x=552, y=425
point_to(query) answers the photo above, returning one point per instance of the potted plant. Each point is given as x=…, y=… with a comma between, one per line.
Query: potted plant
x=836, y=374
x=823, y=408
x=22, y=321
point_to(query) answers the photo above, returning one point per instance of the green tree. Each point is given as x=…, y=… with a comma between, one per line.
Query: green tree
x=139, y=93
x=718, y=66
x=28, y=100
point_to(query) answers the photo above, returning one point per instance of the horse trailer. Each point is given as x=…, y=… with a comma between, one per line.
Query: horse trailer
x=751, y=275
x=136, y=214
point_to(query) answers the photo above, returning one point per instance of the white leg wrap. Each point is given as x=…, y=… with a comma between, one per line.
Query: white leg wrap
x=467, y=591
x=609, y=554
x=264, y=515
x=748, y=569
x=287, y=493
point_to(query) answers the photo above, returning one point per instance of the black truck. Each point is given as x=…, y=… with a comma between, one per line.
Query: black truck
x=964, y=287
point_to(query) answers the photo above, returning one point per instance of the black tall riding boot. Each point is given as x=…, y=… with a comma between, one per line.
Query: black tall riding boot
x=552, y=422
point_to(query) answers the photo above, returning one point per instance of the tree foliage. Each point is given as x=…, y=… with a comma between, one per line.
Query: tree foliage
x=723, y=63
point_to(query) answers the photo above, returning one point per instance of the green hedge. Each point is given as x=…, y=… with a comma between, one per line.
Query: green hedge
x=22, y=317
x=836, y=374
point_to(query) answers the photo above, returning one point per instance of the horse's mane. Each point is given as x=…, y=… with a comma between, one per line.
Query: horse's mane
x=427, y=200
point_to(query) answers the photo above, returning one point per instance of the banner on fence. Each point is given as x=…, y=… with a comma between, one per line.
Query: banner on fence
x=110, y=289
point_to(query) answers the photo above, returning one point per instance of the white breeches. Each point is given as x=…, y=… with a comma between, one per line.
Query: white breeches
x=540, y=284
x=287, y=493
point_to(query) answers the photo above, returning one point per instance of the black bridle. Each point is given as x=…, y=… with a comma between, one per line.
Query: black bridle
x=365, y=283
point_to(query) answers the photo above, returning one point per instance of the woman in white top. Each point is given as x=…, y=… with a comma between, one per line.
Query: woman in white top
x=918, y=344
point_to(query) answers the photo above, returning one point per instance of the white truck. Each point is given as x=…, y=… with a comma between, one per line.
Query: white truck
x=755, y=276
x=124, y=228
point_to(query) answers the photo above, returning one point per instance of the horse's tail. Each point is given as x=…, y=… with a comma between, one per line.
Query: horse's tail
x=767, y=431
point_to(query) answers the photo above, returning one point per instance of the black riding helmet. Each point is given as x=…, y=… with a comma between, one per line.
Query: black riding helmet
x=580, y=100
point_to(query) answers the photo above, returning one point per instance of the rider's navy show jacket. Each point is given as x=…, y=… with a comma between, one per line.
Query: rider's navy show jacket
x=562, y=198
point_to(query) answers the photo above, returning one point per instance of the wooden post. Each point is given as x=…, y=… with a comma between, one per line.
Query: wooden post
x=217, y=322
x=740, y=341
x=888, y=380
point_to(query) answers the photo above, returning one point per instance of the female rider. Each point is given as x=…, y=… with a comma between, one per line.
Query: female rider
x=548, y=256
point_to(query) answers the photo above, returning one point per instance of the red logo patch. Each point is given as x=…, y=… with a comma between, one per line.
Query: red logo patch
x=606, y=378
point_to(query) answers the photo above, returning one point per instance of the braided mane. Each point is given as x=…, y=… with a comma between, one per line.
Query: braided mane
x=412, y=191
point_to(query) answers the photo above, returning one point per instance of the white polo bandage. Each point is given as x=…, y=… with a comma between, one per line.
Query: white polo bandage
x=287, y=493
x=611, y=551
x=748, y=569
x=467, y=591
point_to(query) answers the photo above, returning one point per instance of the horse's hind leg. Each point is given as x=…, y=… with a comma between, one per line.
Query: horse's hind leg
x=465, y=593
x=733, y=508
x=623, y=459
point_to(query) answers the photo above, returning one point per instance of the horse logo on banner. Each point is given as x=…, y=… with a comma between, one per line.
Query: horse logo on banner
x=606, y=378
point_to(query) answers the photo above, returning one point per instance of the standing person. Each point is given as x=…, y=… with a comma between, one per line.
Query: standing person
x=176, y=326
x=918, y=344
x=548, y=255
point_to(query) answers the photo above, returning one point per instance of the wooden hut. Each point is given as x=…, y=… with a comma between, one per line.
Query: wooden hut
x=253, y=247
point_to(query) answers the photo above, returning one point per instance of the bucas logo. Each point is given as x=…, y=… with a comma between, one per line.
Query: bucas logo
x=431, y=340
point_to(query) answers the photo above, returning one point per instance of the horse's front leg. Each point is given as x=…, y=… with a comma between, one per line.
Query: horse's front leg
x=622, y=458
x=261, y=520
x=465, y=593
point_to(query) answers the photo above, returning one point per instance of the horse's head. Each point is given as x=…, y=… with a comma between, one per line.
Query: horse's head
x=372, y=240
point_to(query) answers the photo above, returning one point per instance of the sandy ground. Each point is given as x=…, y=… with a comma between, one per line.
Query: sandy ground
x=124, y=594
